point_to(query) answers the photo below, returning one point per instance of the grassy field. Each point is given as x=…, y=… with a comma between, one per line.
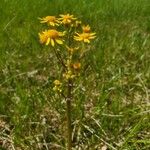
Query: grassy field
x=112, y=102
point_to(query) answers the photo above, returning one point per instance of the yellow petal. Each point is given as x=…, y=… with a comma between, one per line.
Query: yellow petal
x=59, y=41
x=42, y=21
x=61, y=15
x=62, y=33
x=52, y=23
x=92, y=37
x=76, y=38
x=48, y=40
x=78, y=34
x=92, y=33
x=52, y=42
x=86, y=41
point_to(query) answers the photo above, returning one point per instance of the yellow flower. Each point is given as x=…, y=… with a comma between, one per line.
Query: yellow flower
x=57, y=86
x=76, y=66
x=50, y=20
x=57, y=83
x=68, y=75
x=51, y=36
x=85, y=37
x=67, y=19
x=86, y=29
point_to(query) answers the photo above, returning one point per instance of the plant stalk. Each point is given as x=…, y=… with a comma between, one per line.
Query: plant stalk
x=68, y=113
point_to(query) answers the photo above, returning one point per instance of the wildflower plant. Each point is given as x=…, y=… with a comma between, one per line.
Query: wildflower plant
x=69, y=39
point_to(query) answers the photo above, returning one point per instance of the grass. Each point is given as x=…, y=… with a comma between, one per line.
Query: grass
x=112, y=101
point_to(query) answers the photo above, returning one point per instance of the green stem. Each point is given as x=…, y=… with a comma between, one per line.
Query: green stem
x=59, y=58
x=68, y=113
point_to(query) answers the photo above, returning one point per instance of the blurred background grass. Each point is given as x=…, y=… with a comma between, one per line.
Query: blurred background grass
x=112, y=101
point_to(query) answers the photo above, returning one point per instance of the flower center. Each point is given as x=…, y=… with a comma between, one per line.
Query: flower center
x=86, y=29
x=67, y=17
x=53, y=34
x=51, y=18
x=85, y=35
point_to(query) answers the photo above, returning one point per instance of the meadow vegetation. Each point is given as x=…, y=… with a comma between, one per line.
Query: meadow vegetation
x=111, y=107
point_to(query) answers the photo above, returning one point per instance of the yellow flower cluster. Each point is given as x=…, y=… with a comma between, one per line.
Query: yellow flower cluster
x=68, y=31
x=53, y=36
x=57, y=86
x=73, y=69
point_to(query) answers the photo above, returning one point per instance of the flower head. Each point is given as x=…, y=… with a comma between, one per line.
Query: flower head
x=76, y=66
x=86, y=29
x=57, y=86
x=57, y=83
x=67, y=19
x=50, y=20
x=85, y=37
x=51, y=36
x=68, y=75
